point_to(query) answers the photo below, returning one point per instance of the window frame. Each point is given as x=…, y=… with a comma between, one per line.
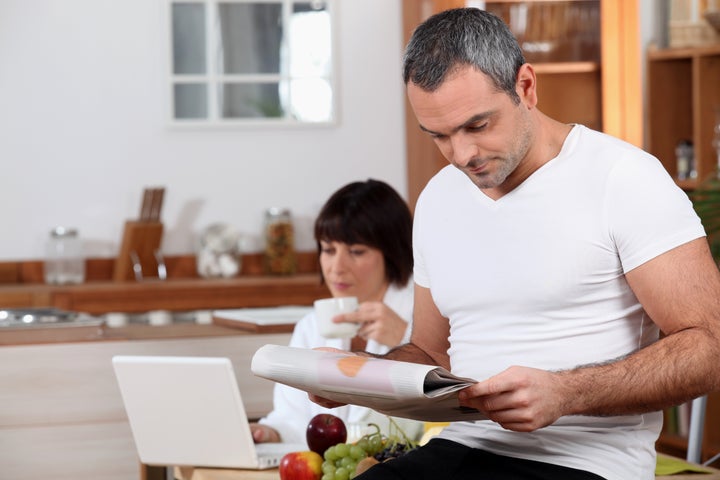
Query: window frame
x=212, y=79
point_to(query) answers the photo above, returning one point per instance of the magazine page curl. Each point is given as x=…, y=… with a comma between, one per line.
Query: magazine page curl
x=401, y=389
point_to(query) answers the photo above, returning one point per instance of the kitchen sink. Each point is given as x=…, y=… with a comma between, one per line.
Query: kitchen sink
x=46, y=318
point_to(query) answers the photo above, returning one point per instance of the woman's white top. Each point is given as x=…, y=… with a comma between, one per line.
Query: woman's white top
x=292, y=410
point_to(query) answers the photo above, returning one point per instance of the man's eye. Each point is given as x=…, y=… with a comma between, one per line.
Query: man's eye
x=477, y=128
x=329, y=250
x=357, y=251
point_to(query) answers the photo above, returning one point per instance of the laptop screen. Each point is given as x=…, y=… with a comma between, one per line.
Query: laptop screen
x=188, y=411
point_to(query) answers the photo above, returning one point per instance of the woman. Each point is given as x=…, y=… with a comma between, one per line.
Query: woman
x=364, y=239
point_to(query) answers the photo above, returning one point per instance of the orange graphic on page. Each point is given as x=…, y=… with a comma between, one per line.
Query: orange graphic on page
x=351, y=365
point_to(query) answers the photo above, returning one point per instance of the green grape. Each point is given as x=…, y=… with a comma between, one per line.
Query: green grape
x=328, y=476
x=342, y=450
x=363, y=443
x=342, y=474
x=376, y=444
x=330, y=454
x=358, y=452
x=328, y=467
x=346, y=461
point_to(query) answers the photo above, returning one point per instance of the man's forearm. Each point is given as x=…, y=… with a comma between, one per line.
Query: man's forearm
x=671, y=371
x=408, y=352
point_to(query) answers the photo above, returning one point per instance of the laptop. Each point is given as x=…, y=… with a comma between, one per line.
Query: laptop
x=187, y=411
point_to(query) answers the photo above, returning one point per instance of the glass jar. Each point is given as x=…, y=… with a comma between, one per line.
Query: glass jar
x=218, y=253
x=685, y=156
x=64, y=261
x=279, y=242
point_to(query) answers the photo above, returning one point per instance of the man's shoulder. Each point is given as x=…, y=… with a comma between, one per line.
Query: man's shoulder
x=598, y=141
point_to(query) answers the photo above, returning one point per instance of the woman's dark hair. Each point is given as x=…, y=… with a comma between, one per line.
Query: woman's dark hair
x=370, y=213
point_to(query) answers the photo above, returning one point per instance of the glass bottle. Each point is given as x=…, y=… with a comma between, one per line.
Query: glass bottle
x=685, y=156
x=64, y=261
x=279, y=242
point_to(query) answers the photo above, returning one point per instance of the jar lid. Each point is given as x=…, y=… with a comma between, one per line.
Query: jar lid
x=63, y=232
x=277, y=211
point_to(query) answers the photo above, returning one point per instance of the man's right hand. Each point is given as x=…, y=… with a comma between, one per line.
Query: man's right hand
x=324, y=402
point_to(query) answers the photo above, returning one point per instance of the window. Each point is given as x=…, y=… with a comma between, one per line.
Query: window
x=252, y=62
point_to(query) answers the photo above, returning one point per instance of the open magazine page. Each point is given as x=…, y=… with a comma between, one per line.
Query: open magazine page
x=401, y=389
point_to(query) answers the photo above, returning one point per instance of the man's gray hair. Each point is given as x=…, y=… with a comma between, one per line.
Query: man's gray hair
x=463, y=37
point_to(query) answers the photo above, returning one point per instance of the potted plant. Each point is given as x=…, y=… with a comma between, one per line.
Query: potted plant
x=706, y=200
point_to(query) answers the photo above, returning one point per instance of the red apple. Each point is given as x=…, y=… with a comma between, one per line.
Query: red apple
x=301, y=466
x=324, y=431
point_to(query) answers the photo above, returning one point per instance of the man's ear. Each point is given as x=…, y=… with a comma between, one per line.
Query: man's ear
x=526, y=85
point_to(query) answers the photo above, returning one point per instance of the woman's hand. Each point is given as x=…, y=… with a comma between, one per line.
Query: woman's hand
x=377, y=322
x=264, y=434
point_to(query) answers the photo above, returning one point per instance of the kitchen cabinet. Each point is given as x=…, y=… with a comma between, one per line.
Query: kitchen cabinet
x=586, y=74
x=683, y=96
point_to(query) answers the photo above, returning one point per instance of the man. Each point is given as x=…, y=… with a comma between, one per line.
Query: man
x=547, y=258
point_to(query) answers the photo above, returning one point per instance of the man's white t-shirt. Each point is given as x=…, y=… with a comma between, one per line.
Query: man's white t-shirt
x=536, y=278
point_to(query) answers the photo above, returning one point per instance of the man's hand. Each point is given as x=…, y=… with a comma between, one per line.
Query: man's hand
x=520, y=398
x=324, y=402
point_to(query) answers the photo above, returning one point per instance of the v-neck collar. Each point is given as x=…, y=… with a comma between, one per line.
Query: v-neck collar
x=567, y=146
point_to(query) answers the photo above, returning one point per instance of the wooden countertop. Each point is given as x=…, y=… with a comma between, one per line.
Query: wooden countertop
x=72, y=334
x=176, y=295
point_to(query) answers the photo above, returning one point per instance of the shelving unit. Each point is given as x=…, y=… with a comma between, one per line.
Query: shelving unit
x=562, y=41
x=577, y=80
x=683, y=93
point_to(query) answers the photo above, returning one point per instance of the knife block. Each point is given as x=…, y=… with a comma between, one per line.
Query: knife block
x=144, y=239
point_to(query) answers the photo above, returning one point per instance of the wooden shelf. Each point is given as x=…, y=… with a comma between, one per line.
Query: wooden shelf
x=682, y=98
x=685, y=52
x=566, y=67
x=183, y=290
x=174, y=294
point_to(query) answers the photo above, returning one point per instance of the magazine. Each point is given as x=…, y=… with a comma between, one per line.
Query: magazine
x=400, y=389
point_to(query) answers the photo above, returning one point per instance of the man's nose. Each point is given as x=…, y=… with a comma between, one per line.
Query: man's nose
x=463, y=150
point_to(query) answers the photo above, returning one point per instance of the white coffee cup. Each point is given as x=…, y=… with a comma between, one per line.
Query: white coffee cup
x=327, y=308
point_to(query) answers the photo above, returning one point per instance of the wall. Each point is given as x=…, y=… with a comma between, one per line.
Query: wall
x=83, y=96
